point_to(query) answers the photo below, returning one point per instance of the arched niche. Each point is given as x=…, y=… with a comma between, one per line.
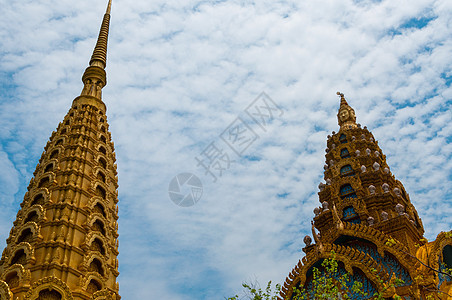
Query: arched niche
x=23, y=275
x=49, y=283
x=94, y=241
x=39, y=199
x=100, y=209
x=447, y=256
x=19, y=257
x=93, y=283
x=101, y=192
x=50, y=294
x=389, y=262
x=350, y=215
x=12, y=279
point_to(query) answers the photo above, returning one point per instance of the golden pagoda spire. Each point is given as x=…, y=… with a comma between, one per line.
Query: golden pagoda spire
x=64, y=241
x=367, y=222
x=346, y=114
x=95, y=77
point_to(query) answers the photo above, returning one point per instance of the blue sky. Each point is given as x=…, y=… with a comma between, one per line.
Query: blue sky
x=179, y=73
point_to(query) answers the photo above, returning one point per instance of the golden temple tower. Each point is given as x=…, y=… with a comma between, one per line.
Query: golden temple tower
x=367, y=219
x=64, y=241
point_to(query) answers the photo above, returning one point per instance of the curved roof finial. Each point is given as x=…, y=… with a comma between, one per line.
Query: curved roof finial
x=316, y=237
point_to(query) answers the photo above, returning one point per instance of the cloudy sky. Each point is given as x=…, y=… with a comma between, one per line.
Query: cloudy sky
x=181, y=72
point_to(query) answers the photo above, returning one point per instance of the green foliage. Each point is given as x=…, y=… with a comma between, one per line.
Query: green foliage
x=387, y=287
x=448, y=234
x=390, y=242
x=256, y=293
x=326, y=285
x=448, y=271
x=330, y=284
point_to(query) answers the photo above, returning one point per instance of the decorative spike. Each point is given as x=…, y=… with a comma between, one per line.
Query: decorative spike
x=99, y=57
x=343, y=101
x=346, y=115
x=299, y=265
x=108, y=8
x=347, y=251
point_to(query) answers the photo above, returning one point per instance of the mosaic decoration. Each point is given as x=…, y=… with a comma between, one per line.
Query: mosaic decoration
x=350, y=215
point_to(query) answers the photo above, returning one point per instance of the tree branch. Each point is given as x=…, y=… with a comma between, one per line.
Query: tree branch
x=433, y=269
x=438, y=291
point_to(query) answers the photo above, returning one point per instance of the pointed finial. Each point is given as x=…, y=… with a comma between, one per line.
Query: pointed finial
x=108, y=8
x=95, y=77
x=99, y=57
x=343, y=101
x=346, y=115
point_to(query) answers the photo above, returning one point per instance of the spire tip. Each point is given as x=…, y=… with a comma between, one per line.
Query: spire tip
x=346, y=114
x=95, y=78
x=99, y=57
x=108, y=8
x=343, y=101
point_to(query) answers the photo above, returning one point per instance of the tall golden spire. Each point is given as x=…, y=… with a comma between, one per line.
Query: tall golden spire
x=99, y=57
x=95, y=77
x=64, y=241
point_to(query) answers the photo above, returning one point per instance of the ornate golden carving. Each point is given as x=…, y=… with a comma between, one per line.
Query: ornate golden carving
x=49, y=283
x=5, y=293
x=104, y=295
